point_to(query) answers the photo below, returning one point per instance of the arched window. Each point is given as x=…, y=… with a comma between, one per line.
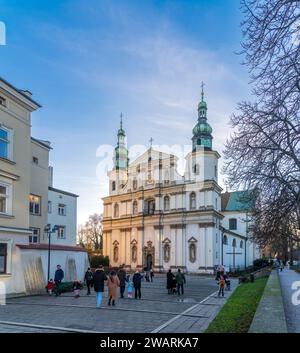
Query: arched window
x=135, y=207
x=234, y=243
x=192, y=252
x=167, y=252
x=166, y=203
x=116, y=253
x=151, y=206
x=225, y=240
x=116, y=210
x=241, y=244
x=134, y=253
x=192, y=201
x=113, y=186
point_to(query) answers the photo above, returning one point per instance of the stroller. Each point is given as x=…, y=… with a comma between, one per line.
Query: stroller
x=174, y=286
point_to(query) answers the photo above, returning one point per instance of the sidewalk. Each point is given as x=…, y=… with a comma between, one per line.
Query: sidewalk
x=292, y=312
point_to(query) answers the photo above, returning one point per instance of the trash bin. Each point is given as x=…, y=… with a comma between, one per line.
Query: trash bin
x=252, y=278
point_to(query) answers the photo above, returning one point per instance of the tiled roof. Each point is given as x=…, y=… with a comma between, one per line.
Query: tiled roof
x=237, y=200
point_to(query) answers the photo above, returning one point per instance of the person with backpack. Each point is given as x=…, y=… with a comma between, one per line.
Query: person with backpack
x=181, y=281
x=88, y=277
x=137, y=283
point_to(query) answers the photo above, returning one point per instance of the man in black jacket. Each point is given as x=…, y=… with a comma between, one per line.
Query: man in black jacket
x=58, y=277
x=122, y=279
x=137, y=282
x=98, y=279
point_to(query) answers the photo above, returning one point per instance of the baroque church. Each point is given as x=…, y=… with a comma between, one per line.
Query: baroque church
x=155, y=217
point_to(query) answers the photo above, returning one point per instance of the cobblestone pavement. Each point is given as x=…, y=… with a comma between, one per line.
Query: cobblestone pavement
x=292, y=312
x=155, y=312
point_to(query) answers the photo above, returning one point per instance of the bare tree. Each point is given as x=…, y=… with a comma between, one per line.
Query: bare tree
x=90, y=235
x=264, y=151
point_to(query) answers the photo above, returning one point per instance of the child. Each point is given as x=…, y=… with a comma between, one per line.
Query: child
x=50, y=286
x=129, y=288
x=77, y=287
x=221, y=286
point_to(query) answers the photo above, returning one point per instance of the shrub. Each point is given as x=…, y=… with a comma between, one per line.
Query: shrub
x=97, y=260
x=259, y=263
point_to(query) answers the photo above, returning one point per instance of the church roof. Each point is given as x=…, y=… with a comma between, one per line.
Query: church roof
x=237, y=200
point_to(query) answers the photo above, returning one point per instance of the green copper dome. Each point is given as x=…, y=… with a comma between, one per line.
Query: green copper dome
x=202, y=132
x=202, y=128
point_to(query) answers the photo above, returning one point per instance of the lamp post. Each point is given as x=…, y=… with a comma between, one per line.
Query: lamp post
x=48, y=230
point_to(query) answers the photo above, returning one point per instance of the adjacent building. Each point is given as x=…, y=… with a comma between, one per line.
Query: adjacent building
x=28, y=202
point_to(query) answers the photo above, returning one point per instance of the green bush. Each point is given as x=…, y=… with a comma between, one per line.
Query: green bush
x=259, y=263
x=65, y=287
x=97, y=260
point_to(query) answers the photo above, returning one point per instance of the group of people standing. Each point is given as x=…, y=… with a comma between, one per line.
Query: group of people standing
x=114, y=280
x=175, y=282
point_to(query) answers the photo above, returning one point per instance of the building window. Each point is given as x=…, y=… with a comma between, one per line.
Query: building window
x=135, y=207
x=3, y=257
x=234, y=243
x=61, y=232
x=216, y=171
x=134, y=253
x=35, y=160
x=35, y=205
x=116, y=210
x=49, y=207
x=2, y=101
x=4, y=143
x=196, y=169
x=232, y=224
x=35, y=237
x=62, y=209
x=225, y=240
x=138, y=168
x=113, y=186
x=192, y=201
x=151, y=207
x=216, y=203
x=4, y=198
x=134, y=184
x=167, y=252
x=192, y=252
x=241, y=244
x=167, y=203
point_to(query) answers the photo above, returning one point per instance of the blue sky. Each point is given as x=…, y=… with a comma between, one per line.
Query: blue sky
x=86, y=61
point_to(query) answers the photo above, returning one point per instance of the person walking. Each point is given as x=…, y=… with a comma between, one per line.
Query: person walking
x=137, y=282
x=170, y=278
x=98, y=280
x=112, y=284
x=58, y=277
x=221, y=286
x=88, y=277
x=180, y=279
x=122, y=279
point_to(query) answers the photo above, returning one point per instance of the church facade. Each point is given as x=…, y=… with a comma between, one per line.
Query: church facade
x=155, y=217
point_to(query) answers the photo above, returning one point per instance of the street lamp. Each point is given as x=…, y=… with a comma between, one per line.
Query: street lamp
x=48, y=230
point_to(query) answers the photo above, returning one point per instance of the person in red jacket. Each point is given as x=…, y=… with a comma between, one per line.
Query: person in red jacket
x=50, y=286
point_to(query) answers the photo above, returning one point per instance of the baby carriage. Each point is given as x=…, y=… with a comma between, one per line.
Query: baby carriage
x=174, y=286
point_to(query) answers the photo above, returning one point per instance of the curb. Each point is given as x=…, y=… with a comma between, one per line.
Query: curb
x=270, y=315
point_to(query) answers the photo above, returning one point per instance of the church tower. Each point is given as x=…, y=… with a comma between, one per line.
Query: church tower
x=202, y=132
x=119, y=174
x=121, y=153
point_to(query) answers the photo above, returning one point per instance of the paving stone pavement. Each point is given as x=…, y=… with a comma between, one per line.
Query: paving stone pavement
x=292, y=312
x=155, y=311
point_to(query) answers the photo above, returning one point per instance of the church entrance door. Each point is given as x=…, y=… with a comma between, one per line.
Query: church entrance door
x=149, y=261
